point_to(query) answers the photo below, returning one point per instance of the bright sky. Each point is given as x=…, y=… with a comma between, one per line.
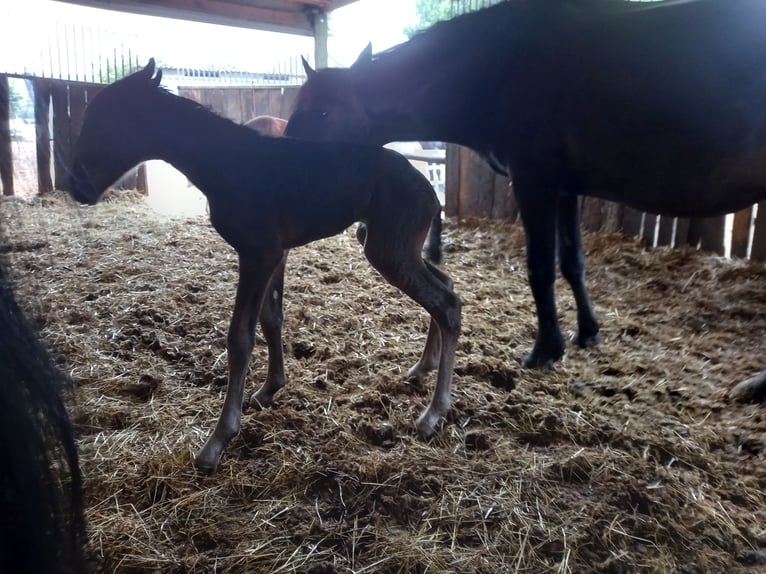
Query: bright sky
x=25, y=27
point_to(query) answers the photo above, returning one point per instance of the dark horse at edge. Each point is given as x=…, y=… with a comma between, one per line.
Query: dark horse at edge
x=266, y=196
x=661, y=107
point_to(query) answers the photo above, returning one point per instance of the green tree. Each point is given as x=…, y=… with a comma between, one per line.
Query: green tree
x=429, y=12
x=21, y=107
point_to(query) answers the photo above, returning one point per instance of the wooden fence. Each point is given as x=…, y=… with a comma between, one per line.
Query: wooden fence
x=242, y=104
x=474, y=190
x=471, y=188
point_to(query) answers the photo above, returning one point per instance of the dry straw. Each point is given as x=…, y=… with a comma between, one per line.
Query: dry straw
x=625, y=458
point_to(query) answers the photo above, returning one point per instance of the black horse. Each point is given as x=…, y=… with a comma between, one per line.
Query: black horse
x=661, y=107
x=267, y=195
x=42, y=527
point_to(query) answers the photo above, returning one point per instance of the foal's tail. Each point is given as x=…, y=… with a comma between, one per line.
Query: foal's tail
x=433, y=247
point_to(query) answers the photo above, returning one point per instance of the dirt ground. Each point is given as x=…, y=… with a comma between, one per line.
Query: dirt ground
x=626, y=458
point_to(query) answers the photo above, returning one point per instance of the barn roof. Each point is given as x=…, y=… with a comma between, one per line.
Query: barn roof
x=291, y=16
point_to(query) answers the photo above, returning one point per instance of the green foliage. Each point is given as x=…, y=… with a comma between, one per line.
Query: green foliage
x=429, y=12
x=21, y=107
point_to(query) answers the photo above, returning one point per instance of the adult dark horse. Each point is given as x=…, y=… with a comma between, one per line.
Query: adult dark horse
x=267, y=195
x=661, y=107
x=42, y=529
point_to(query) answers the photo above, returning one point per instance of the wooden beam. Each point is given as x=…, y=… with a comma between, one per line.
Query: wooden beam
x=213, y=12
x=62, y=136
x=42, y=119
x=6, y=147
x=319, y=22
x=740, y=233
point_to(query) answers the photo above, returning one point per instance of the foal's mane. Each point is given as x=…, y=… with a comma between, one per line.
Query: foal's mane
x=199, y=111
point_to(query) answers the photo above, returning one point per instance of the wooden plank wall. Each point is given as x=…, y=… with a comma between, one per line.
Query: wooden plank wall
x=474, y=190
x=242, y=104
x=60, y=105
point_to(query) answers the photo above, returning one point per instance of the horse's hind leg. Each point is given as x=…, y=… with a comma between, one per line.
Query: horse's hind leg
x=429, y=360
x=271, y=324
x=254, y=276
x=396, y=255
x=572, y=263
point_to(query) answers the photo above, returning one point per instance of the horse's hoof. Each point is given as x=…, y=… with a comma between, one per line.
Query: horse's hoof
x=203, y=466
x=426, y=424
x=586, y=342
x=534, y=361
x=208, y=457
x=417, y=373
x=753, y=390
x=260, y=402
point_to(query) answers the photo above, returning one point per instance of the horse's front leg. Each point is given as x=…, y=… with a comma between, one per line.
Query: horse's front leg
x=254, y=276
x=572, y=263
x=271, y=323
x=538, y=212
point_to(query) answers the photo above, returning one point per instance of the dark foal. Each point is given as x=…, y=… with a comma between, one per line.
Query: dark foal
x=573, y=97
x=267, y=195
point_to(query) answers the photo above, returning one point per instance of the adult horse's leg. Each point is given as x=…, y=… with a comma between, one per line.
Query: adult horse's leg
x=395, y=254
x=271, y=324
x=537, y=205
x=254, y=277
x=572, y=263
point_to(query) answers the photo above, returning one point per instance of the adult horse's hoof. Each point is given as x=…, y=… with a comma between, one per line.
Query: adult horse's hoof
x=753, y=390
x=535, y=360
x=207, y=459
x=588, y=341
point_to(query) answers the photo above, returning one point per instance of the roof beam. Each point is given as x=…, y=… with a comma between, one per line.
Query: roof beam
x=215, y=12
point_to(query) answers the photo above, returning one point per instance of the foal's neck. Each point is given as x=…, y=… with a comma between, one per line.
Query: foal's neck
x=190, y=138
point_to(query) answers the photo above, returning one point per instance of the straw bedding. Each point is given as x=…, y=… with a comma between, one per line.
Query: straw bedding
x=626, y=458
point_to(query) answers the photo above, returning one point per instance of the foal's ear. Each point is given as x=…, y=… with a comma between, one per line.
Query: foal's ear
x=149, y=68
x=364, y=56
x=307, y=67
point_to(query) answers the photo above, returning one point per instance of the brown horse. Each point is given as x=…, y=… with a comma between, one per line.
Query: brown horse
x=661, y=107
x=267, y=195
x=267, y=125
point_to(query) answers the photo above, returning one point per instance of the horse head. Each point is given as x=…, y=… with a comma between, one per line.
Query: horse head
x=108, y=144
x=330, y=105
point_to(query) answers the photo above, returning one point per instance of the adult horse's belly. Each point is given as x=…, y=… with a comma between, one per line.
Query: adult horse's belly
x=672, y=178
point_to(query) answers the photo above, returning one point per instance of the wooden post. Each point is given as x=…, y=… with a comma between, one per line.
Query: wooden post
x=452, y=181
x=665, y=232
x=62, y=136
x=42, y=119
x=631, y=222
x=6, y=147
x=758, y=250
x=740, y=232
x=319, y=21
x=708, y=232
x=613, y=214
